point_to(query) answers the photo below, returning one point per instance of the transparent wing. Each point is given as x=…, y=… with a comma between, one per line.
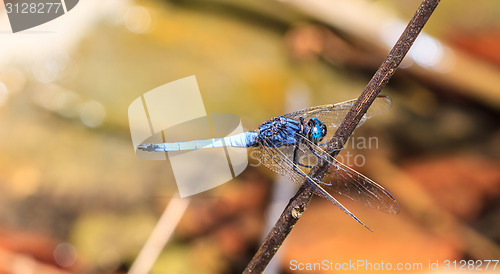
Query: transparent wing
x=339, y=179
x=278, y=160
x=344, y=180
x=354, y=185
x=332, y=115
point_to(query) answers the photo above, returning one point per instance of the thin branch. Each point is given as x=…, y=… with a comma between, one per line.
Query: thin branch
x=160, y=235
x=298, y=203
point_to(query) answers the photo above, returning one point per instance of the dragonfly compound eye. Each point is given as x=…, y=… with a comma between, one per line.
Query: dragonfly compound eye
x=317, y=130
x=316, y=134
x=323, y=130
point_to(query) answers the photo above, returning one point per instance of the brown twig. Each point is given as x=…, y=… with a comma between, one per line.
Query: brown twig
x=298, y=203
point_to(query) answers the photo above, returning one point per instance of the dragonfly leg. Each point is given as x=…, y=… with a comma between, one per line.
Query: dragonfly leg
x=301, y=119
x=296, y=160
x=306, y=166
x=314, y=152
x=320, y=157
x=295, y=157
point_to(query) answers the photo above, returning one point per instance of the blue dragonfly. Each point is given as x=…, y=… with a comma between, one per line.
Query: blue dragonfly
x=291, y=144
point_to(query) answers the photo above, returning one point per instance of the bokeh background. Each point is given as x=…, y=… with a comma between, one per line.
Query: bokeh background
x=74, y=198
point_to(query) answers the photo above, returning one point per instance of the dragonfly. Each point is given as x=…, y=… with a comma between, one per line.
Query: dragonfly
x=291, y=144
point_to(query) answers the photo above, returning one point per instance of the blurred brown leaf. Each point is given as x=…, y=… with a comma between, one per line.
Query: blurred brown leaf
x=462, y=184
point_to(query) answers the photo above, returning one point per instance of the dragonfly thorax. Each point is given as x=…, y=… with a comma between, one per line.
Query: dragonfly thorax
x=282, y=131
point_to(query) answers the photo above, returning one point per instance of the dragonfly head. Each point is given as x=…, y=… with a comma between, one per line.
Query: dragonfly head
x=317, y=130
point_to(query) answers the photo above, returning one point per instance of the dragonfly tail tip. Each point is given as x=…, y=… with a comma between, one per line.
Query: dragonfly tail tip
x=146, y=147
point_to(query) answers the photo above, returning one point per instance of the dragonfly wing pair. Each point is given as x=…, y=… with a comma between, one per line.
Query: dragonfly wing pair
x=339, y=179
x=333, y=114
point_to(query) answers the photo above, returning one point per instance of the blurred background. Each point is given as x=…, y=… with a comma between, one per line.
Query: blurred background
x=74, y=198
